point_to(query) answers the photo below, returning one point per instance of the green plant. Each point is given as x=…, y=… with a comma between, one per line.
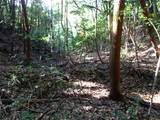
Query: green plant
x=133, y=112
x=67, y=116
x=13, y=80
x=54, y=69
x=26, y=116
x=15, y=67
x=61, y=82
x=55, y=118
x=119, y=115
x=29, y=68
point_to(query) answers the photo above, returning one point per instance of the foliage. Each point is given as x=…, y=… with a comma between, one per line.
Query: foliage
x=130, y=114
x=17, y=67
x=61, y=82
x=26, y=116
x=133, y=112
x=61, y=29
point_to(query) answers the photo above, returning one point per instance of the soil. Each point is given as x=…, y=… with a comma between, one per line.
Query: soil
x=63, y=90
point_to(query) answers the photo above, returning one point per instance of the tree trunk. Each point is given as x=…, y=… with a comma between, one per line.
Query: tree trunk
x=151, y=30
x=27, y=31
x=13, y=19
x=109, y=19
x=95, y=39
x=66, y=25
x=115, y=93
x=13, y=13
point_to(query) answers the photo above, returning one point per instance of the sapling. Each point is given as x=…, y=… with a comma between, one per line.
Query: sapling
x=156, y=72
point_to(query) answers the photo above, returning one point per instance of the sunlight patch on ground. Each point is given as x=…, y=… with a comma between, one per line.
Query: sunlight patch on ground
x=88, y=84
x=87, y=108
x=89, y=58
x=93, y=89
x=156, y=98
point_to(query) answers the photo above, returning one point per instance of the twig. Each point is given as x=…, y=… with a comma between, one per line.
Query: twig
x=156, y=72
x=32, y=110
x=154, y=28
x=43, y=114
x=153, y=87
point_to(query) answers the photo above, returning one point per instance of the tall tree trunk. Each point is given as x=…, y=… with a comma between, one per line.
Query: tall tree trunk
x=95, y=39
x=27, y=31
x=13, y=19
x=51, y=28
x=66, y=25
x=22, y=27
x=59, y=26
x=62, y=2
x=13, y=13
x=109, y=19
x=151, y=30
x=115, y=93
x=62, y=25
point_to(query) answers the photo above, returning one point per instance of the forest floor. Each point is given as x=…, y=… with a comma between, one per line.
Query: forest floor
x=60, y=90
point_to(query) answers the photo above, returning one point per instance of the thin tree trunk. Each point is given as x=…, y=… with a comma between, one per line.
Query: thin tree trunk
x=27, y=31
x=110, y=19
x=12, y=17
x=115, y=93
x=95, y=39
x=62, y=2
x=151, y=30
x=66, y=25
x=51, y=28
x=59, y=36
x=13, y=13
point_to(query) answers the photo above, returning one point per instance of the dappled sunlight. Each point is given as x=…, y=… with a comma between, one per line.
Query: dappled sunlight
x=88, y=84
x=94, y=89
x=89, y=58
x=87, y=108
x=147, y=97
x=79, y=60
x=156, y=98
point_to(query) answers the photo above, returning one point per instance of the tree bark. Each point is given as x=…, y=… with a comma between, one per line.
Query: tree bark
x=13, y=13
x=13, y=19
x=27, y=31
x=115, y=93
x=95, y=39
x=109, y=19
x=150, y=28
x=66, y=26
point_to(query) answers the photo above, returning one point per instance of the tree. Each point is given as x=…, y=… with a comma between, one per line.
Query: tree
x=27, y=31
x=95, y=39
x=149, y=27
x=13, y=18
x=13, y=13
x=115, y=92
